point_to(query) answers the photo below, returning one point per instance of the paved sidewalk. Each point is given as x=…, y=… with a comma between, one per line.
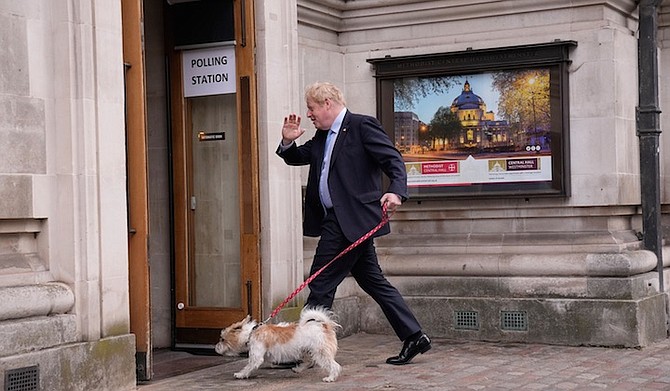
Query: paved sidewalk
x=453, y=365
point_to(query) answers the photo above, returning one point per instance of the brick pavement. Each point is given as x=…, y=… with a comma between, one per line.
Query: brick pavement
x=453, y=365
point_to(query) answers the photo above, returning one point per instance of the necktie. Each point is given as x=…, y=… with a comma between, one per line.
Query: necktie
x=325, y=167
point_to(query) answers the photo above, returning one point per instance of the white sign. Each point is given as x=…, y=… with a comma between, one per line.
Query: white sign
x=471, y=171
x=209, y=71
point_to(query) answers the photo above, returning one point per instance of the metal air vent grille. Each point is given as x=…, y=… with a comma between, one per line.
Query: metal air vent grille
x=514, y=320
x=23, y=379
x=466, y=320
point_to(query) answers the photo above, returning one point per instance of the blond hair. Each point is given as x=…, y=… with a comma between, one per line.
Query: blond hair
x=320, y=91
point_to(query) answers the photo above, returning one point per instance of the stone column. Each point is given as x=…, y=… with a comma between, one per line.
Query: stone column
x=279, y=93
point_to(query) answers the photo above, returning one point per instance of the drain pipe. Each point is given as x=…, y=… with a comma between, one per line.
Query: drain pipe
x=648, y=131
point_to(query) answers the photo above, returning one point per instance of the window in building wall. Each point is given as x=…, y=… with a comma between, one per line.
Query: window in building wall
x=484, y=122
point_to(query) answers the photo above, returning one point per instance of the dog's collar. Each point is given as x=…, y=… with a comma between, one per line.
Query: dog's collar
x=252, y=330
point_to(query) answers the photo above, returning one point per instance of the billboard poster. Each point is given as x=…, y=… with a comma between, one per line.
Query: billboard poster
x=475, y=129
x=480, y=123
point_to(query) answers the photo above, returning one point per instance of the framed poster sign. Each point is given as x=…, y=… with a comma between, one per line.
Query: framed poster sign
x=485, y=122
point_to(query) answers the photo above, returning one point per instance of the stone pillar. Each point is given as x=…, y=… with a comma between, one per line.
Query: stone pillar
x=279, y=93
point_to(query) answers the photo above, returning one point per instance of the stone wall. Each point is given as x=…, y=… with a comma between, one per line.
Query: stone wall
x=569, y=270
x=63, y=228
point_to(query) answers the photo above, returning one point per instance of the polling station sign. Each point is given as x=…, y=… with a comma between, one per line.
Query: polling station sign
x=209, y=71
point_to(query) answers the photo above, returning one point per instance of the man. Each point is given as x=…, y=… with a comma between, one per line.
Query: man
x=343, y=202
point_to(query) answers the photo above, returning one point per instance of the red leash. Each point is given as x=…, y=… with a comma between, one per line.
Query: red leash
x=385, y=219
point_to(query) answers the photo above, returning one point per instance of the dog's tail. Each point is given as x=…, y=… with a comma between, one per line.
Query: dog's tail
x=318, y=314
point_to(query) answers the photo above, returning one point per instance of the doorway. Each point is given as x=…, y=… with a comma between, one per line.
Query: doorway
x=214, y=161
x=193, y=177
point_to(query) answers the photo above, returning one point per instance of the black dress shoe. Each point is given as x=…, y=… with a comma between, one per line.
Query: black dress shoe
x=410, y=349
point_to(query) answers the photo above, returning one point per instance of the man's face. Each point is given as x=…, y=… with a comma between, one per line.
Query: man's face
x=320, y=114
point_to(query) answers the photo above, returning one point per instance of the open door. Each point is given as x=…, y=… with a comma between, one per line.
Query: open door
x=215, y=169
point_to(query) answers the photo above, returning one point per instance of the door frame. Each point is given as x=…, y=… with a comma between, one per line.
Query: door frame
x=249, y=186
x=137, y=185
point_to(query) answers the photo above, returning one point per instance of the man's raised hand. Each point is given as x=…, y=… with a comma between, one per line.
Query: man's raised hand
x=291, y=129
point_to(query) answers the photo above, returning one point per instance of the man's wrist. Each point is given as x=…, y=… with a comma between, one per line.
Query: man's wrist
x=283, y=147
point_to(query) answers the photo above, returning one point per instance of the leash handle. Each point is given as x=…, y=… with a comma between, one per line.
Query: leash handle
x=385, y=219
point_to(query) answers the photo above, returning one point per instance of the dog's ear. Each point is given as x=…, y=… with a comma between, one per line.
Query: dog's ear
x=247, y=319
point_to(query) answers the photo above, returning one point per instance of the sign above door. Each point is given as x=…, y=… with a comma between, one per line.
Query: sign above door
x=209, y=71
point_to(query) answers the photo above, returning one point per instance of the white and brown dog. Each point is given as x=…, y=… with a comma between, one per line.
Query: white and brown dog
x=311, y=340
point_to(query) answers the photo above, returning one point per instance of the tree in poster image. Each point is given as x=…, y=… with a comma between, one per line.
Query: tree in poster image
x=445, y=126
x=524, y=100
x=407, y=91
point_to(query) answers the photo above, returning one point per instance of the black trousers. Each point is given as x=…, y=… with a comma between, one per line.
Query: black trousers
x=363, y=265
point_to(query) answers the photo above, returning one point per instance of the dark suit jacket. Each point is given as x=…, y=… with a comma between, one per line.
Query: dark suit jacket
x=361, y=153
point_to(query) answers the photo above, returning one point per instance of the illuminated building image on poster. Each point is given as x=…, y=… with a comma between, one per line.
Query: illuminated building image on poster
x=473, y=129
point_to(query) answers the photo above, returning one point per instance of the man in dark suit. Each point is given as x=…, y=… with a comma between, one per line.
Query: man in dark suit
x=343, y=202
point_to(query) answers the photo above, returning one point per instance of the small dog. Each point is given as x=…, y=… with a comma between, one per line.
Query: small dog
x=312, y=340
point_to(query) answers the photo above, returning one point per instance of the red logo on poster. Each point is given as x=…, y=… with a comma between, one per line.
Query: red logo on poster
x=439, y=168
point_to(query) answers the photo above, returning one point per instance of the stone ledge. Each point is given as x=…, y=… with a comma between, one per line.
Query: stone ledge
x=31, y=334
x=509, y=243
x=619, y=288
x=629, y=288
x=104, y=365
x=35, y=300
x=18, y=263
x=19, y=226
x=559, y=264
x=545, y=264
x=612, y=323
